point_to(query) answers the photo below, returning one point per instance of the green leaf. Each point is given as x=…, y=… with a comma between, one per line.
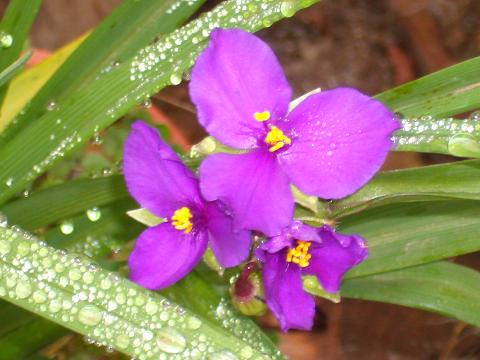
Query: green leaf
x=311, y=285
x=457, y=180
x=63, y=201
x=34, y=335
x=447, y=92
x=145, y=217
x=410, y=234
x=444, y=136
x=13, y=69
x=131, y=26
x=91, y=301
x=14, y=29
x=97, y=105
x=445, y=288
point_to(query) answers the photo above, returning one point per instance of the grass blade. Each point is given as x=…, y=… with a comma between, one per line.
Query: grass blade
x=403, y=235
x=14, y=68
x=15, y=26
x=457, y=180
x=445, y=288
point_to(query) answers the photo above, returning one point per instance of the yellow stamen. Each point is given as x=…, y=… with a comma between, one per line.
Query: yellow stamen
x=277, y=139
x=262, y=116
x=299, y=255
x=181, y=219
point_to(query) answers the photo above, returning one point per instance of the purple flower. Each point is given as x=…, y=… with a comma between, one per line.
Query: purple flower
x=161, y=183
x=330, y=145
x=304, y=250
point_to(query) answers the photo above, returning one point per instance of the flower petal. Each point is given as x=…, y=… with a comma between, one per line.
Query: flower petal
x=154, y=174
x=163, y=255
x=230, y=247
x=284, y=293
x=334, y=257
x=234, y=77
x=340, y=138
x=253, y=186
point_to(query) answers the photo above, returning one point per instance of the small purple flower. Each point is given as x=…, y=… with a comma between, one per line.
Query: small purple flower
x=330, y=145
x=161, y=183
x=304, y=250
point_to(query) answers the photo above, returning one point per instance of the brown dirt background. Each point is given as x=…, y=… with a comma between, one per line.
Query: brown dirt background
x=370, y=45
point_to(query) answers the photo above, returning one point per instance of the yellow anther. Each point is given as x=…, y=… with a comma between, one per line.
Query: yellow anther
x=262, y=116
x=299, y=255
x=277, y=139
x=181, y=219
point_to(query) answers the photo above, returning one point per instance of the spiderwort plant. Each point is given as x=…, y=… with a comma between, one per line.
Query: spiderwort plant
x=328, y=146
x=304, y=250
x=161, y=183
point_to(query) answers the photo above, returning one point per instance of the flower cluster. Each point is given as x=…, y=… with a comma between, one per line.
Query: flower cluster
x=328, y=146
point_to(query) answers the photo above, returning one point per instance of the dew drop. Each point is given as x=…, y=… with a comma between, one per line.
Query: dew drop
x=9, y=182
x=170, y=341
x=151, y=308
x=51, y=105
x=94, y=214
x=4, y=247
x=175, y=79
x=23, y=290
x=246, y=352
x=122, y=341
x=464, y=145
x=39, y=296
x=67, y=227
x=194, y=323
x=287, y=8
x=6, y=40
x=90, y=315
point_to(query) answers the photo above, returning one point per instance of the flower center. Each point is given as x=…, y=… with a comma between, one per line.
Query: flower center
x=181, y=219
x=277, y=139
x=299, y=254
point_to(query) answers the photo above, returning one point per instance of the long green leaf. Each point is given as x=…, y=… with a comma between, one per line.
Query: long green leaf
x=445, y=288
x=97, y=105
x=447, y=92
x=410, y=234
x=444, y=136
x=457, y=180
x=14, y=29
x=81, y=296
x=14, y=68
x=62, y=201
x=131, y=26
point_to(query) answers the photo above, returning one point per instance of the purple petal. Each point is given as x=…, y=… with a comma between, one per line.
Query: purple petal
x=230, y=247
x=300, y=231
x=284, y=293
x=234, y=77
x=154, y=174
x=253, y=185
x=334, y=257
x=163, y=255
x=340, y=138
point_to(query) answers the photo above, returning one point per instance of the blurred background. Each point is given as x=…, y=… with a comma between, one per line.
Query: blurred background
x=371, y=45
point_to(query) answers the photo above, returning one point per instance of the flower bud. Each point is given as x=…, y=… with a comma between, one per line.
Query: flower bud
x=247, y=291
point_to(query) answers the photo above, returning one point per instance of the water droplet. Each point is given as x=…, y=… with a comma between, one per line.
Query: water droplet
x=287, y=8
x=90, y=315
x=194, y=323
x=39, y=296
x=246, y=352
x=122, y=341
x=51, y=105
x=170, y=341
x=94, y=214
x=4, y=247
x=67, y=227
x=9, y=182
x=6, y=40
x=23, y=290
x=147, y=103
x=464, y=145
x=175, y=79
